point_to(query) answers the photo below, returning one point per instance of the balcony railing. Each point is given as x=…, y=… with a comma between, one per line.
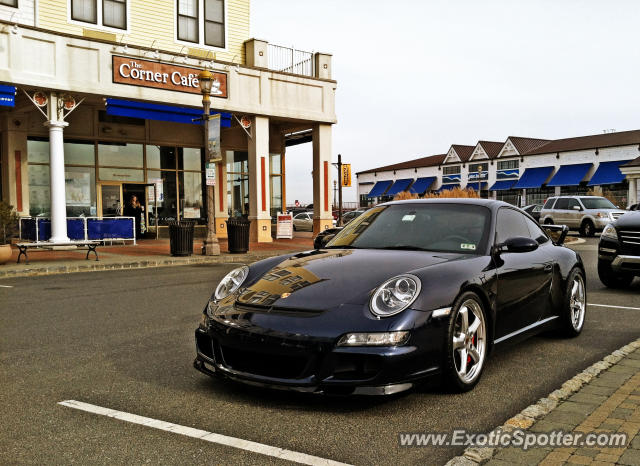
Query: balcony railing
x=290, y=60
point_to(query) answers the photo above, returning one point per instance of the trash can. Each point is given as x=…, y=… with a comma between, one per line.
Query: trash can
x=181, y=238
x=238, y=235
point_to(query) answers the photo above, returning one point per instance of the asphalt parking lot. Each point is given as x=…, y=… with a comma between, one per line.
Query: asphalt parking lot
x=124, y=340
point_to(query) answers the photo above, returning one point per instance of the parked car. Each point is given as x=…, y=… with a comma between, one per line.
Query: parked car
x=303, y=221
x=533, y=210
x=619, y=251
x=587, y=214
x=407, y=291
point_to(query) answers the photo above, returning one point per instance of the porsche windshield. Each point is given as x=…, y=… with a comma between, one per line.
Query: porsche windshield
x=442, y=227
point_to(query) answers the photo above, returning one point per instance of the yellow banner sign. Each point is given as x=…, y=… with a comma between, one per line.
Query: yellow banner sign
x=346, y=175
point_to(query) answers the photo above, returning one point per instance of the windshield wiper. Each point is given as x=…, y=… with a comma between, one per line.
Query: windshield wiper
x=404, y=248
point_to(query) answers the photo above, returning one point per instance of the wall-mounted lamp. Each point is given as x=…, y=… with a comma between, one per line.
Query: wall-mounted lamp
x=557, y=155
x=597, y=151
x=156, y=53
x=415, y=170
x=439, y=167
x=14, y=29
x=394, y=172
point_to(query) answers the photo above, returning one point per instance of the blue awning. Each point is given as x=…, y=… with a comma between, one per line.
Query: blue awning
x=570, y=175
x=130, y=108
x=478, y=185
x=608, y=173
x=533, y=177
x=502, y=185
x=422, y=184
x=379, y=188
x=7, y=96
x=399, y=186
x=446, y=187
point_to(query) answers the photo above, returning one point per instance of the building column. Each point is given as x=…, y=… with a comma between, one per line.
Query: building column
x=259, y=195
x=322, y=169
x=15, y=170
x=221, y=208
x=633, y=191
x=57, y=183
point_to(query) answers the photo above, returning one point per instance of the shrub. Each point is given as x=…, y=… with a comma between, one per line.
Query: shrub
x=455, y=192
x=8, y=223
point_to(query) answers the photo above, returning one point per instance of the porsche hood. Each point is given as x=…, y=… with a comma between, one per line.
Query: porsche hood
x=323, y=279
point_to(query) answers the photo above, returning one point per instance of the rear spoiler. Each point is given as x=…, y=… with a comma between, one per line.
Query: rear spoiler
x=558, y=233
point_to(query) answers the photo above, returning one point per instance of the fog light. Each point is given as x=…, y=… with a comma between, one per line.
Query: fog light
x=374, y=339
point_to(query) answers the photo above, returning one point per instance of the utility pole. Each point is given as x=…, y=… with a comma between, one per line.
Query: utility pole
x=335, y=193
x=339, y=190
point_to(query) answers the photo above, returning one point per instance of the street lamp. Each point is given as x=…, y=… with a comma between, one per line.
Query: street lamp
x=211, y=246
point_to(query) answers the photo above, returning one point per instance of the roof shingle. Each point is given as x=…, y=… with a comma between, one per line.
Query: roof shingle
x=623, y=138
x=429, y=161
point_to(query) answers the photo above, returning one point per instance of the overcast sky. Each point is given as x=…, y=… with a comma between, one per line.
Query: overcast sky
x=416, y=76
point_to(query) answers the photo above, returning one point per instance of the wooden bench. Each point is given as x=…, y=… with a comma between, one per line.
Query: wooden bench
x=23, y=247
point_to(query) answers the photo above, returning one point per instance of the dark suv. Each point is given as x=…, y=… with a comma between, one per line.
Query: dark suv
x=619, y=251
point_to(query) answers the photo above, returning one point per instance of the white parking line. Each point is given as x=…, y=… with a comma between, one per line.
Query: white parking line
x=5, y=286
x=616, y=307
x=255, y=447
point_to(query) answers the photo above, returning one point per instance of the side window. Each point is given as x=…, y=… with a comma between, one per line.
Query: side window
x=573, y=203
x=549, y=203
x=299, y=216
x=562, y=203
x=510, y=223
x=535, y=232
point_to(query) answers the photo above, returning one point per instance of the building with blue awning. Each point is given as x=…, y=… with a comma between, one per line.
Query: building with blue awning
x=422, y=185
x=524, y=170
x=379, y=188
x=399, y=186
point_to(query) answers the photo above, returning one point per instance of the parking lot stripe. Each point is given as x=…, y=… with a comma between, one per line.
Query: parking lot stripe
x=615, y=307
x=212, y=437
x=5, y=286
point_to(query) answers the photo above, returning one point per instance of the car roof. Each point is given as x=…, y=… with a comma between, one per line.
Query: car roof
x=490, y=203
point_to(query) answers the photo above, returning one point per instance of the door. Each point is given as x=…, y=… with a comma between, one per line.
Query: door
x=574, y=215
x=138, y=192
x=110, y=200
x=524, y=278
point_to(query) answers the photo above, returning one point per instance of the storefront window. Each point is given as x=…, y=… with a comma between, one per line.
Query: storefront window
x=189, y=159
x=37, y=151
x=276, y=195
x=191, y=204
x=165, y=182
x=116, y=154
x=39, y=194
x=80, y=183
x=79, y=153
x=274, y=164
x=238, y=183
x=163, y=158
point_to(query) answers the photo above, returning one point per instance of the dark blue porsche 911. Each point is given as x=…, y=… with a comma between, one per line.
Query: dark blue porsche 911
x=407, y=291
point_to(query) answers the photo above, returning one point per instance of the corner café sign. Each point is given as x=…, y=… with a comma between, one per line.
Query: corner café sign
x=164, y=76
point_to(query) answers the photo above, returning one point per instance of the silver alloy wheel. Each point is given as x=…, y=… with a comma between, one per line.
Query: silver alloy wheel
x=577, y=302
x=469, y=341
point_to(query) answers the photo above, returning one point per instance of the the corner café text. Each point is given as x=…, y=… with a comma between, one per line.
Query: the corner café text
x=134, y=70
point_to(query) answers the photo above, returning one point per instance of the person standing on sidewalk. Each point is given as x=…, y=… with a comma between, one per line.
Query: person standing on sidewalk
x=133, y=209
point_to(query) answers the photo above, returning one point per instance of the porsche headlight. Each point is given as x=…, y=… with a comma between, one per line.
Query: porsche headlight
x=231, y=282
x=395, y=295
x=610, y=232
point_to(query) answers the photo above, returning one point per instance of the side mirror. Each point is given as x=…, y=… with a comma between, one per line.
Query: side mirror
x=577, y=207
x=518, y=244
x=321, y=241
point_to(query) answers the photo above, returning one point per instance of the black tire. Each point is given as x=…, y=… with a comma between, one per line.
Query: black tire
x=571, y=325
x=548, y=221
x=587, y=228
x=612, y=279
x=294, y=228
x=452, y=379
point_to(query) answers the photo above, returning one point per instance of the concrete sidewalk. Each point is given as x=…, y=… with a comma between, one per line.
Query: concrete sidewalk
x=604, y=398
x=147, y=253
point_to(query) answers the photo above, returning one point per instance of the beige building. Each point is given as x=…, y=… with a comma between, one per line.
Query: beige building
x=105, y=97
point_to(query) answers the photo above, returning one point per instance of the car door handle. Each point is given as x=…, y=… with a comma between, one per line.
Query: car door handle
x=548, y=267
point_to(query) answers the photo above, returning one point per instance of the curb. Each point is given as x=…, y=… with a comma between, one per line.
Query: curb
x=537, y=411
x=96, y=266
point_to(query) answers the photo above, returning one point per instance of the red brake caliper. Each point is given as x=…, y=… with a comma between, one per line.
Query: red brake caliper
x=473, y=340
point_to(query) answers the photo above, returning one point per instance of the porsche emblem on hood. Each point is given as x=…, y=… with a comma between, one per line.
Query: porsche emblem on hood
x=285, y=295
